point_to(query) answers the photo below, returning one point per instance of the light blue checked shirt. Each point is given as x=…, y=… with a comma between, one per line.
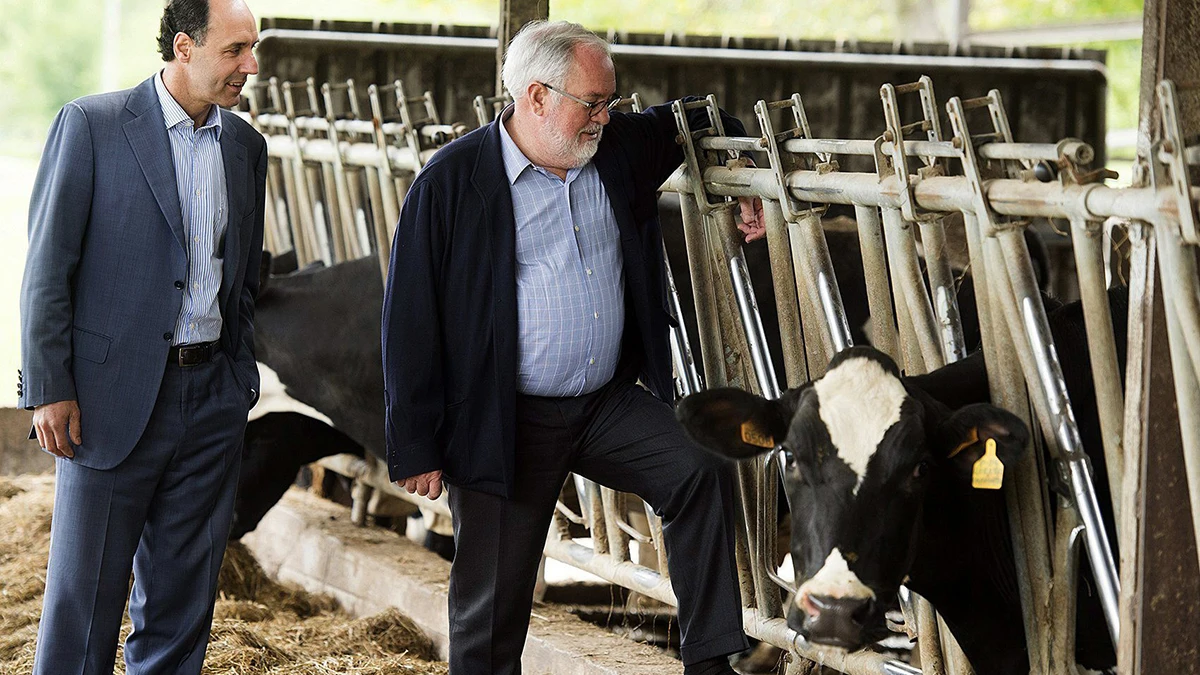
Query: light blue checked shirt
x=570, y=277
x=200, y=176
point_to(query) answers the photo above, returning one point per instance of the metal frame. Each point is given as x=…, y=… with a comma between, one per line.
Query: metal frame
x=996, y=192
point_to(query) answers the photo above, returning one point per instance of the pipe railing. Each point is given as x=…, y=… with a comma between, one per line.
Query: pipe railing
x=999, y=186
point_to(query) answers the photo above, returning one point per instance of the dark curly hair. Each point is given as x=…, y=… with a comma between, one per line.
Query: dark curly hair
x=182, y=16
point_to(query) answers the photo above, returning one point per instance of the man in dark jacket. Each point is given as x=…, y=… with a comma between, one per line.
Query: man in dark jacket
x=525, y=299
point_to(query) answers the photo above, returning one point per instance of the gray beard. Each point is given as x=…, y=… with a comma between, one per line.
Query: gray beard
x=571, y=150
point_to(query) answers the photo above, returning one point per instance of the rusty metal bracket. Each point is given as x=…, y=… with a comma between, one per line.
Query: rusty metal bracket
x=695, y=159
x=1173, y=154
x=896, y=133
x=488, y=108
x=973, y=170
x=784, y=163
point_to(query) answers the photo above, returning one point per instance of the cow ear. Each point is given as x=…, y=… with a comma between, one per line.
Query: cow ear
x=734, y=423
x=962, y=439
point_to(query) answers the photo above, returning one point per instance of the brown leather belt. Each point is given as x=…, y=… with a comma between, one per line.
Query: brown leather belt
x=193, y=355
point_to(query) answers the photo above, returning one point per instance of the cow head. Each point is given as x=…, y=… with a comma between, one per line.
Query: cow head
x=861, y=451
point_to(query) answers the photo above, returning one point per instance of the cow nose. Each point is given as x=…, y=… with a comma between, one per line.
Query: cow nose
x=838, y=622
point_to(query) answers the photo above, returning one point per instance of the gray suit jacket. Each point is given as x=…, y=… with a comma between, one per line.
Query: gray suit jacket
x=107, y=262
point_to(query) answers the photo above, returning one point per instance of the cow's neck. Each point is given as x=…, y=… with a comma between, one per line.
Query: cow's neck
x=964, y=566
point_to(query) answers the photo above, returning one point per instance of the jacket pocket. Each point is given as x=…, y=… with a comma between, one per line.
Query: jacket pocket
x=90, y=346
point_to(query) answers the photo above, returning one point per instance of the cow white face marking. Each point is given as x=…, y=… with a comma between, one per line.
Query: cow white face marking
x=858, y=402
x=834, y=580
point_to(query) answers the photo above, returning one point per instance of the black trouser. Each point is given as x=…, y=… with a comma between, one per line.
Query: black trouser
x=623, y=437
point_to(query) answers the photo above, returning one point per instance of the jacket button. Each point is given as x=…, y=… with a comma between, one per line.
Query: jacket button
x=179, y=285
x=167, y=336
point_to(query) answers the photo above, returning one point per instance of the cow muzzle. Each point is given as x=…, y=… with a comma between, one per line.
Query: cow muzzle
x=836, y=622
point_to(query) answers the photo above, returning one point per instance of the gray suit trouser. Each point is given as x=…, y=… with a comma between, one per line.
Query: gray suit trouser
x=623, y=437
x=163, y=513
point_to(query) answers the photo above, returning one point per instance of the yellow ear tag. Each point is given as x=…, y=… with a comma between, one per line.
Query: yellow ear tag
x=752, y=435
x=988, y=473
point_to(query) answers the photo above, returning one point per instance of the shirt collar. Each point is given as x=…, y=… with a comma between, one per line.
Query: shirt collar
x=515, y=161
x=173, y=113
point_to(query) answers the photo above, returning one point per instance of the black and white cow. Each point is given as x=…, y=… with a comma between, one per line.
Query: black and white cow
x=879, y=473
x=317, y=332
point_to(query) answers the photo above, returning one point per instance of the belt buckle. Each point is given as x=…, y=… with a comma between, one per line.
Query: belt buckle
x=193, y=355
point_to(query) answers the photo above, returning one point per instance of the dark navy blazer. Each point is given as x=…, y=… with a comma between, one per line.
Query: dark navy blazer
x=449, y=310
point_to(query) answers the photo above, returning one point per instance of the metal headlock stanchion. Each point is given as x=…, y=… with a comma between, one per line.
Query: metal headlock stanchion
x=336, y=183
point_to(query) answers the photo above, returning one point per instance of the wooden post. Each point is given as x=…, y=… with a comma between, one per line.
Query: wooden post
x=1160, y=628
x=513, y=15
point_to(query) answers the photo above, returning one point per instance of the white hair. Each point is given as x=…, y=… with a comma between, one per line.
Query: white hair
x=542, y=51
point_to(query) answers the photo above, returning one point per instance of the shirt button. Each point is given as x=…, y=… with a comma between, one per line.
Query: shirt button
x=589, y=272
x=166, y=336
x=196, y=285
x=576, y=228
x=192, y=325
x=591, y=361
x=179, y=285
x=196, y=239
x=596, y=314
x=197, y=193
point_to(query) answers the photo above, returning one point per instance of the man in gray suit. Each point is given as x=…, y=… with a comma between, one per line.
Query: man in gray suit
x=145, y=232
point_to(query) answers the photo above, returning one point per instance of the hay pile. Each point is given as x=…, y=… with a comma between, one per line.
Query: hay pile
x=260, y=626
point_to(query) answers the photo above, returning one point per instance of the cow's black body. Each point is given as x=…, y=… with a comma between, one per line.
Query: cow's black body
x=953, y=542
x=318, y=329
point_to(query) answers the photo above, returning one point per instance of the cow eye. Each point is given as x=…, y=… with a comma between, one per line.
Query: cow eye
x=922, y=469
x=787, y=460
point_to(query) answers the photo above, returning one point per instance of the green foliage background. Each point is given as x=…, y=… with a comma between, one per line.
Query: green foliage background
x=50, y=49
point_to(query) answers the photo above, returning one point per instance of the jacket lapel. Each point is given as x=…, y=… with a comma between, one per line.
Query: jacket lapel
x=491, y=182
x=147, y=135
x=233, y=152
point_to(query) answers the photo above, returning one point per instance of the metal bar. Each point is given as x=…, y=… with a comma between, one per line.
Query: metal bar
x=814, y=270
x=362, y=40
x=681, y=347
x=704, y=293
x=1131, y=528
x=928, y=644
x=1023, y=495
x=1102, y=349
x=909, y=286
x=760, y=356
x=1181, y=313
x=1181, y=294
x=875, y=270
x=787, y=307
x=1068, y=535
x=949, y=193
x=1060, y=422
x=333, y=213
x=941, y=285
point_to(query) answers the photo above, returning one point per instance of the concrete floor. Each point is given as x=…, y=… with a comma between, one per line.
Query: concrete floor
x=311, y=542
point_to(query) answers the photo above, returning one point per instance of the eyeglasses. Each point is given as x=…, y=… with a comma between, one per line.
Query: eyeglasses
x=593, y=107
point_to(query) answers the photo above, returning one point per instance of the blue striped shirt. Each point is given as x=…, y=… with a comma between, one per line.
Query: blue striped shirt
x=570, y=277
x=200, y=177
